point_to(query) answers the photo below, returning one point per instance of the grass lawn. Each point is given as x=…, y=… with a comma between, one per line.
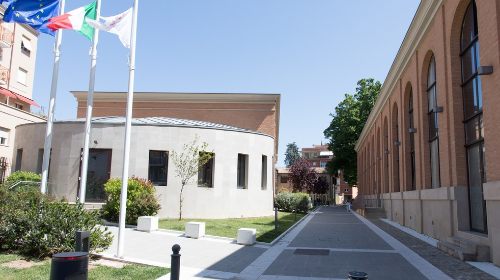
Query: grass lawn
x=229, y=227
x=42, y=271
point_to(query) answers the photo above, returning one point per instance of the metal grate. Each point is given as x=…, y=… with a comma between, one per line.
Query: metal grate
x=312, y=252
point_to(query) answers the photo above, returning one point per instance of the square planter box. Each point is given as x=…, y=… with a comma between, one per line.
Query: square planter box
x=246, y=236
x=147, y=223
x=195, y=229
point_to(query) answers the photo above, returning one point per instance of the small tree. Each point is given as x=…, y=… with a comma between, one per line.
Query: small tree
x=320, y=187
x=189, y=163
x=291, y=154
x=302, y=175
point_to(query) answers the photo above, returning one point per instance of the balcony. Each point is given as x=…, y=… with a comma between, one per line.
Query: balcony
x=6, y=37
x=4, y=75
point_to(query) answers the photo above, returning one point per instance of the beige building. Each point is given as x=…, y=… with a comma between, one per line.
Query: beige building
x=428, y=153
x=236, y=183
x=18, y=44
x=283, y=184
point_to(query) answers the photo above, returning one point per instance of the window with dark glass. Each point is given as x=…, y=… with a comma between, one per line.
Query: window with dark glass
x=242, y=171
x=19, y=159
x=264, y=173
x=206, y=174
x=284, y=179
x=432, y=116
x=412, y=142
x=98, y=173
x=396, y=152
x=473, y=119
x=158, y=165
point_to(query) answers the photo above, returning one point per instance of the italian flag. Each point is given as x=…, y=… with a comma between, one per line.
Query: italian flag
x=76, y=20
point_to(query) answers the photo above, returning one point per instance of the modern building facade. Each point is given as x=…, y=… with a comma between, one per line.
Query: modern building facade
x=428, y=153
x=18, y=44
x=236, y=183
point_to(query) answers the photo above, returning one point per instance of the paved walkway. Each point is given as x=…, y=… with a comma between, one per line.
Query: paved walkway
x=327, y=244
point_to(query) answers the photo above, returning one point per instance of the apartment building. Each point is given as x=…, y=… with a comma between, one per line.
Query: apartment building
x=18, y=44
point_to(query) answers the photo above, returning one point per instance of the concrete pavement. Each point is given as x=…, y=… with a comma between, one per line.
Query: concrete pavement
x=327, y=244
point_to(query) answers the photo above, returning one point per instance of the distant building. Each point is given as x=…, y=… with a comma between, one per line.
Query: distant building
x=317, y=156
x=18, y=44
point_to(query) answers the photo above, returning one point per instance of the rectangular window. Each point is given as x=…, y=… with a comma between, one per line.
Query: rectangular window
x=21, y=76
x=264, y=173
x=26, y=46
x=242, y=171
x=284, y=179
x=18, y=106
x=314, y=163
x=158, y=164
x=322, y=164
x=4, y=137
x=346, y=190
x=19, y=159
x=39, y=162
x=206, y=174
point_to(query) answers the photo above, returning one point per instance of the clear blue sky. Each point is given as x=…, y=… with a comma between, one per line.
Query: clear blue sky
x=312, y=52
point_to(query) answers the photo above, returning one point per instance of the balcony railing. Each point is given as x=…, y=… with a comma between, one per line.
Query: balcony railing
x=6, y=37
x=4, y=75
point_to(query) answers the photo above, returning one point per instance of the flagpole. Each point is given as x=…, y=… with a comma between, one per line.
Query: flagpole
x=128, y=126
x=90, y=104
x=52, y=104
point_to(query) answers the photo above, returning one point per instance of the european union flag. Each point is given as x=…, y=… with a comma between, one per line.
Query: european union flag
x=35, y=13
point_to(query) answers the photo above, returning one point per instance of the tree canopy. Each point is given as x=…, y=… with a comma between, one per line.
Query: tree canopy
x=292, y=154
x=348, y=120
x=302, y=175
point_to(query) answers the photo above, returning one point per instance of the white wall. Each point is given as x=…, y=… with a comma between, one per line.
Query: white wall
x=222, y=201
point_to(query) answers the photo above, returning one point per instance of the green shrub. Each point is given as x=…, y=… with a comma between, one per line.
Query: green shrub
x=286, y=201
x=302, y=200
x=21, y=180
x=37, y=225
x=141, y=200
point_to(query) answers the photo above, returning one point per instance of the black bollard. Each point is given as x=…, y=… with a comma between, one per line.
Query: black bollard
x=82, y=241
x=295, y=212
x=175, y=263
x=276, y=220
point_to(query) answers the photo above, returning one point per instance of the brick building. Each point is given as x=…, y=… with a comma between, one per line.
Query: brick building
x=317, y=156
x=428, y=153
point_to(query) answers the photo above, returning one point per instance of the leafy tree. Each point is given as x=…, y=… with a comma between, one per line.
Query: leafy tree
x=302, y=175
x=320, y=187
x=292, y=154
x=189, y=163
x=348, y=120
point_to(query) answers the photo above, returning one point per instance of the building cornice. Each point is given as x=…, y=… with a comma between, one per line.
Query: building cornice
x=176, y=97
x=417, y=30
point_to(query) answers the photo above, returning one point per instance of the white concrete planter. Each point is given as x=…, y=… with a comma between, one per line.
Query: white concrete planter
x=147, y=223
x=246, y=236
x=195, y=229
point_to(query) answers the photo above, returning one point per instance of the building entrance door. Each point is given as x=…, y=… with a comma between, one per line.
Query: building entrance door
x=477, y=204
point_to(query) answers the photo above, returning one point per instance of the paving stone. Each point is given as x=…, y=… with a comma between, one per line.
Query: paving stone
x=452, y=267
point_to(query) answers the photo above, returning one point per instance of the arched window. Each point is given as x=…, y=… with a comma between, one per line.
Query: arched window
x=395, y=159
x=386, y=156
x=433, y=123
x=412, y=142
x=473, y=118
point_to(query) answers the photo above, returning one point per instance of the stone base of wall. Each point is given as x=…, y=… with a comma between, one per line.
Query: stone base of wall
x=443, y=212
